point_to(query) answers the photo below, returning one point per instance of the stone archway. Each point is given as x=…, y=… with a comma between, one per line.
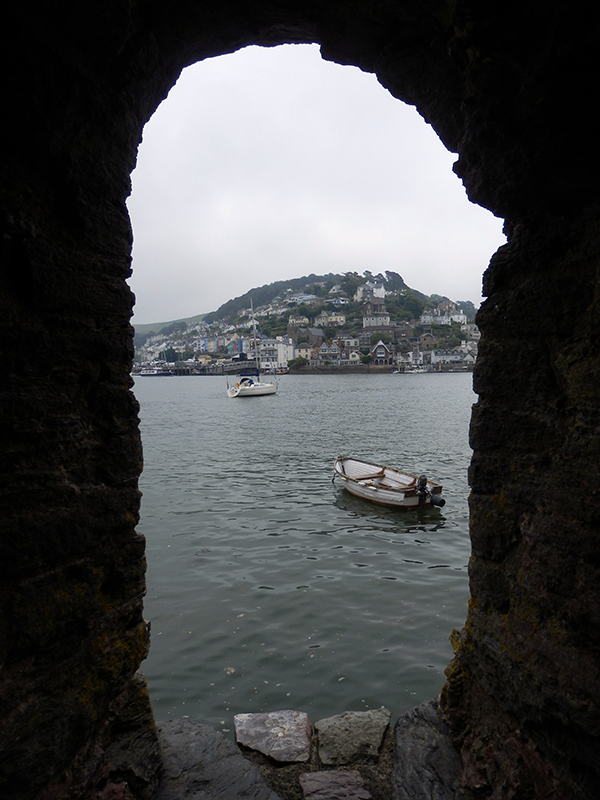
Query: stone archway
x=504, y=91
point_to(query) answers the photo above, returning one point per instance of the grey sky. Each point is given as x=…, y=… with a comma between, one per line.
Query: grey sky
x=270, y=164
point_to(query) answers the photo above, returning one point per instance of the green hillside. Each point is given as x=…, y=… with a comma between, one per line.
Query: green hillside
x=410, y=301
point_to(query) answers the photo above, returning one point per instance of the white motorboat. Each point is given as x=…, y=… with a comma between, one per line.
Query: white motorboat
x=385, y=485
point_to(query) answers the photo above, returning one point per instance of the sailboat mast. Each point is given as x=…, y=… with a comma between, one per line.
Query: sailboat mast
x=254, y=332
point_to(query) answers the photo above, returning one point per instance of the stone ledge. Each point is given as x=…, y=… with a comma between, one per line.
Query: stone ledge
x=287, y=736
x=199, y=763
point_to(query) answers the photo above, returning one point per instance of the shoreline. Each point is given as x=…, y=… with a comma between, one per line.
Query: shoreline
x=368, y=369
x=363, y=369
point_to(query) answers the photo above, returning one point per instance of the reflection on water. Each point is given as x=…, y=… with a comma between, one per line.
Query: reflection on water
x=269, y=587
x=432, y=518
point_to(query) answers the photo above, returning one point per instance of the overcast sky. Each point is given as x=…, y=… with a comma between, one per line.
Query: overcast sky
x=271, y=164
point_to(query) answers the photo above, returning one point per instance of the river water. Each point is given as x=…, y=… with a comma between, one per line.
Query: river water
x=270, y=587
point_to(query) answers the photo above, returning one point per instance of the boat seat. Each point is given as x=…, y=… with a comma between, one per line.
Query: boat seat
x=387, y=484
x=368, y=477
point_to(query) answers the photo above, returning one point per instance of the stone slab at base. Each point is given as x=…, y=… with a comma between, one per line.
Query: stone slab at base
x=199, y=763
x=426, y=763
x=284, y=736
x=352, y=735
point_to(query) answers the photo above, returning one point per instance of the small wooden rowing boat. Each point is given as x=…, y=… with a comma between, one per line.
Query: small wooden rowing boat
x=386, y=485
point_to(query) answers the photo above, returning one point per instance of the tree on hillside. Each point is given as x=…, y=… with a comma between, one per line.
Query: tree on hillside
x=467, y=308
x=409, y=302
x=175, y=327
x=140, y=339
x=266, y=327
x=438, y=298
x=376, y=337
x=394, y=282
x=350, y=283
x=297, y=363
x=304, y=311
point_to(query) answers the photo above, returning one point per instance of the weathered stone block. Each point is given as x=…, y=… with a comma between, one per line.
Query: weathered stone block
x=332, y=785
x=282, y=735
x=352, y=735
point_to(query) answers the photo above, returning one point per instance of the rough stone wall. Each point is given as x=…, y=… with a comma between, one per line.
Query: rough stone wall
x=72, y=566
x=506, y=86
x=522, y=694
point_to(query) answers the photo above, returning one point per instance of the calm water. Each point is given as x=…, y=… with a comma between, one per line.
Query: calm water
x=268, y=586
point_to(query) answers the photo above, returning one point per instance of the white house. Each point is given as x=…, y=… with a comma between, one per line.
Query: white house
x=304, y=351
x=307, y=299
x=376, y=320
x=298, y=319
x=331, y=318
x=370, y=290
x=349, y=343
x=472, y=331
x=454, y=356
x=444, y=314
x=327, y=352
x=275, y=353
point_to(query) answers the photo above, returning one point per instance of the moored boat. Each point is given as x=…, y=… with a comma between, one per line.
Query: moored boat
x=248, y=387
x=155, y=373
x=386, y=485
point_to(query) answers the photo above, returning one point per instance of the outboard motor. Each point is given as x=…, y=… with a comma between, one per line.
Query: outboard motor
x=425, y=496
x=422, y=489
